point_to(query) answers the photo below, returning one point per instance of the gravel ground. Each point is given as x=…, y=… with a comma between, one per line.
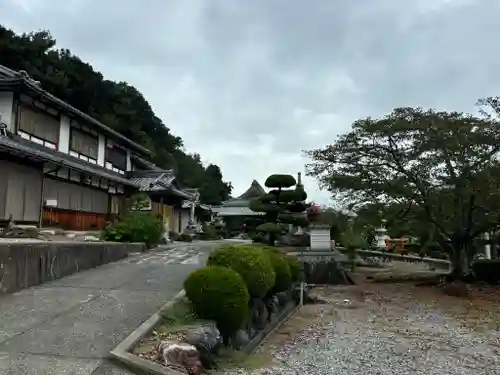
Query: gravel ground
x=386, y=329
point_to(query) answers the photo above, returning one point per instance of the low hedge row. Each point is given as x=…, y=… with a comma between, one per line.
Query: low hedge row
x=218, y=294
x=251, y=263
x=216, y=290
x=135, y=227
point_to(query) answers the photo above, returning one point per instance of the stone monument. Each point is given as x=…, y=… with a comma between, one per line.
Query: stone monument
x=166, y=229
x=320, y=237
x=487, y=246
x=381, y=236
x=191, y=227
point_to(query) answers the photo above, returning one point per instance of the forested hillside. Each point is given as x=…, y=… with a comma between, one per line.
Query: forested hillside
x=116, y=104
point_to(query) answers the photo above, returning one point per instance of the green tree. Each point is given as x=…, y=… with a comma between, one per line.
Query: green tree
x=281, y=205
x=401, y=220
x=443, y=166
x=213, y=189
x=117, y=104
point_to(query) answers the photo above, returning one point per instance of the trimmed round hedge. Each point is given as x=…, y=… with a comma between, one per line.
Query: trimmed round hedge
x=293, y=262
x=252, y=263
x=282, y=270
x=219, y=294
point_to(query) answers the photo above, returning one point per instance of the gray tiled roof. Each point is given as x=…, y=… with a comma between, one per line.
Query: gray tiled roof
x=16, y=80
x=255, y=190
x=205, y=207
x=153, y=180
x=235, y=211
x=157, y=180
x=19, y=145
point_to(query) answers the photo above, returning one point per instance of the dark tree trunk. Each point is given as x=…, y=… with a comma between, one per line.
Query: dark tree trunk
x=272, y=239
x=460, y=257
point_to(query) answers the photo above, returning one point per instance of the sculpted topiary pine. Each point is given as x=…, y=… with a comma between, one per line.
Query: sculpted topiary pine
x=281, y=205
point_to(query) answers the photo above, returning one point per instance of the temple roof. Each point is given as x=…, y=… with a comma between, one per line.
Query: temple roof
x=255, y=190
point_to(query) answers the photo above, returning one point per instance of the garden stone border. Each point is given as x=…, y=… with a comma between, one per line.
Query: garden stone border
x=290, y=308
x=122, y=355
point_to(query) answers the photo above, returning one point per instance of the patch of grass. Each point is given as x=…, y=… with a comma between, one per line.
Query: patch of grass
x=179, y=314
x=233, y=359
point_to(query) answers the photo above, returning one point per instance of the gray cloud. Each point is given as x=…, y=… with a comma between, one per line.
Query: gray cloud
x=249, y=84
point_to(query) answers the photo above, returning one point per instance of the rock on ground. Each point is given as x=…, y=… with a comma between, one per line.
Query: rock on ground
x=384, y=329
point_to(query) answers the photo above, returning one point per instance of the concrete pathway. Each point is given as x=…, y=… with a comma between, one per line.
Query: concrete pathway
x=69, y=326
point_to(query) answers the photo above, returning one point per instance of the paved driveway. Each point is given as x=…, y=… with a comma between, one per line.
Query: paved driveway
x=69, y=326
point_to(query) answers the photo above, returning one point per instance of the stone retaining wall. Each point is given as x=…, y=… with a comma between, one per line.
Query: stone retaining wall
x=23, y=265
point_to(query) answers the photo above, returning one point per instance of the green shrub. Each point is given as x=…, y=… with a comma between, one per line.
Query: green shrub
x=181, y=313
x=266, y=248
x=185, y=237
x=414, y=248
x=135, y=227
x=174, y=236
x=210, y=233
x=282, y=270
x=219, y=294
x=269, y=228
x=250, y=262
x=259, y=238
x=293, y=262
x=487, y=270
x=295, y=268
x=280, y=180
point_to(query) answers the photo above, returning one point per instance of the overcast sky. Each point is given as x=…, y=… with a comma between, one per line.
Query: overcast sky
x=248, y=84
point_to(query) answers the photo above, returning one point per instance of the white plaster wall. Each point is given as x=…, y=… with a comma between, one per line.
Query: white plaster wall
x=64, y=134
x=184, y=213
x=6, y=105
x=101, y=151
x=129, y=161
x=185, y=219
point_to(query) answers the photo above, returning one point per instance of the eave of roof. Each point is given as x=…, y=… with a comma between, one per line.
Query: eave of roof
x=181, y=193
x=143, y=162
x=32, y=87
x=27, y=148
x=204, y=207
x=157, y=181
x=236, y=203
x=235, y=211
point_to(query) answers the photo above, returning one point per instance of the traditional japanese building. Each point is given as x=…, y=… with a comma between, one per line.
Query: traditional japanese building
x=236, y=213
x=239, y=206
x=59, y=166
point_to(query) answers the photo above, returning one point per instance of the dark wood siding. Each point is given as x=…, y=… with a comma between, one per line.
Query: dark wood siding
x=84, y=143
x=38, y=124
x=75, y=197
x=21, y=191
x=74, y=220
